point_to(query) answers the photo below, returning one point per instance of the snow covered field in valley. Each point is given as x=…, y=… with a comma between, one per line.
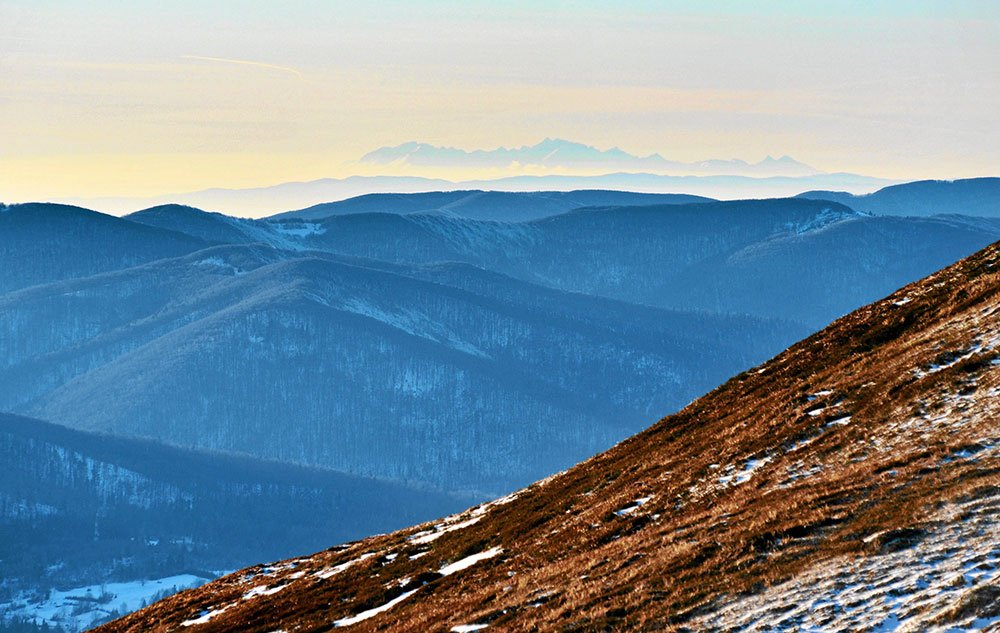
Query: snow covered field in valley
x=81, y=608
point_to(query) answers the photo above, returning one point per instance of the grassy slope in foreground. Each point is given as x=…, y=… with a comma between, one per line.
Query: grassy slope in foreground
x=848, y=483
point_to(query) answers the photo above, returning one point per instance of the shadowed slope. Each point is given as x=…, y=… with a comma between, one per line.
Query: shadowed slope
x=211, y=227
x=446, y=374
x=41, y=243
x=505, y=206
x=807, y=260
x=861, y=465
x=81, y=508
x=969, y=196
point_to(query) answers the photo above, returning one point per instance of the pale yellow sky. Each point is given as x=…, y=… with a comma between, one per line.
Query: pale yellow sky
x=113, y=98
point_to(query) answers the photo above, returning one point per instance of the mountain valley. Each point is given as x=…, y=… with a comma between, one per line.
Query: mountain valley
x=425, y=350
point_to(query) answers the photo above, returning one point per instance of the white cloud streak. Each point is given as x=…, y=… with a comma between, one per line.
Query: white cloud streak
x=246, y=62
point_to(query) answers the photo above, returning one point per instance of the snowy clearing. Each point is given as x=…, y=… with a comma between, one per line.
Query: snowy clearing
x=62, y=608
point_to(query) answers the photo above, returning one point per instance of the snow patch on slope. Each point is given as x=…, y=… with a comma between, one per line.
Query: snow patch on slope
x=932, y=581
x=370, y=613
x=469, y=561
x=439, y=530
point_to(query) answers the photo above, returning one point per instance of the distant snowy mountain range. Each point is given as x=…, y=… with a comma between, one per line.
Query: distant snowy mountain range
x=571, y=166
x=554, y=153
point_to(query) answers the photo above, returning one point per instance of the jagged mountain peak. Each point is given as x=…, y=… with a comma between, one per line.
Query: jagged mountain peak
x=847, y=483
x=553, y=152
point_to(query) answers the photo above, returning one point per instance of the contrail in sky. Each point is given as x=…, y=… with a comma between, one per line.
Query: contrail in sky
x=246, y=62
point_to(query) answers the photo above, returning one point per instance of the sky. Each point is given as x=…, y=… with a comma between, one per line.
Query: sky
x=137, y=98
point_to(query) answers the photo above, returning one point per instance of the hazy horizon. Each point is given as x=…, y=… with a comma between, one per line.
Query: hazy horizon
x=141, y=99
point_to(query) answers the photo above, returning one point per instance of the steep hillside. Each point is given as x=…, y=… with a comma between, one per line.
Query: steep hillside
x=851, y=483
x=80, y=509
x=445, y=374
x=40, y=243
x=502, y=206
x=970, y=196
